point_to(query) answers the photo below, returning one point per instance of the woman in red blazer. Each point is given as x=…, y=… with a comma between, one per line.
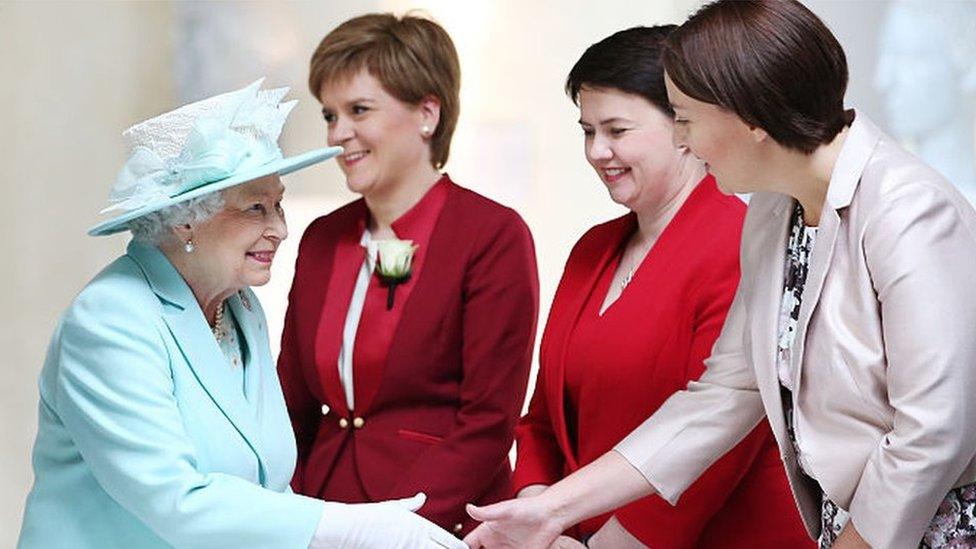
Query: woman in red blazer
x=641, y=301
x=415, y=386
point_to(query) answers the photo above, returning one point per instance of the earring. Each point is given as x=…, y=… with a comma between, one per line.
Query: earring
x=425, y=131
x=189, y=247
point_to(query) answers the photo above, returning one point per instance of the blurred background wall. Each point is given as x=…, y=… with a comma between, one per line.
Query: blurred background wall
x=73, y=75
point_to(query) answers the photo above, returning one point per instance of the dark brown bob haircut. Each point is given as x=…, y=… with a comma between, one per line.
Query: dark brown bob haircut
x=627, y=60
x=771, y=62
x=411, y=56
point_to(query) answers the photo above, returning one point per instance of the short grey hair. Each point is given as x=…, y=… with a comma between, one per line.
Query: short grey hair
x=154, y=227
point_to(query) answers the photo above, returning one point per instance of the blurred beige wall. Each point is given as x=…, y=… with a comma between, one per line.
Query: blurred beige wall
x=73, y=75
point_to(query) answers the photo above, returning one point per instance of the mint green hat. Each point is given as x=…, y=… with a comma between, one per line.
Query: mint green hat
x=201, y=148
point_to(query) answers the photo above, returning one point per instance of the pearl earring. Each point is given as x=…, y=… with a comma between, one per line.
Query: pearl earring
x=189, y=247
x=425, y=131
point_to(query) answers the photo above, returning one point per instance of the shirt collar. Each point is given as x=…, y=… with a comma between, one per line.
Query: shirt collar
x=163, y=278
x=417, y=224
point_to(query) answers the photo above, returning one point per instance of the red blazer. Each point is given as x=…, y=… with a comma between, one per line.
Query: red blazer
x=439, y=415
x=665, y=324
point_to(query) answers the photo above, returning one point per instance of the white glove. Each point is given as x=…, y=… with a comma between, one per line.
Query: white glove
x=385, y=525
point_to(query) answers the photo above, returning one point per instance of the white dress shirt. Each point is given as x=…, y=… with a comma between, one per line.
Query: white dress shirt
x=352, y=318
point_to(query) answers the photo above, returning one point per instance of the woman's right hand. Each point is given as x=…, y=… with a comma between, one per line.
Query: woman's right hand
x=389, y=524
x=523, y=523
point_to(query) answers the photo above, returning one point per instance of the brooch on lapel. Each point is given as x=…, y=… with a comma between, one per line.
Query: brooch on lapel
x=394, y=260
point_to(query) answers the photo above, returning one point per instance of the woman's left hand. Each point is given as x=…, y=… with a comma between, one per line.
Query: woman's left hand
x=849, y=538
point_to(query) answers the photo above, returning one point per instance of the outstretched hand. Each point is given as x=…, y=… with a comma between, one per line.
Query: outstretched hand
x=391, y=524
x=524, y=523
x=535, y=522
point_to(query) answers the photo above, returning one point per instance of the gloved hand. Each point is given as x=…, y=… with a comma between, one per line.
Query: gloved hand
x=385, y=525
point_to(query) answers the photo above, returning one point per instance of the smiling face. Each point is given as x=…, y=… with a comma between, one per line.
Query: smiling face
x=730, y=149
x=628, y=141
x=237, y=245
x=383, y=137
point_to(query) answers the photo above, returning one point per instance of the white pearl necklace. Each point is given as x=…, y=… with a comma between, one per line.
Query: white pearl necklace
x=218, y=327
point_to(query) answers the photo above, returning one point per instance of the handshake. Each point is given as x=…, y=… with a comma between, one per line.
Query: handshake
x=394, y=524
x=391, y=524
x=523, y=523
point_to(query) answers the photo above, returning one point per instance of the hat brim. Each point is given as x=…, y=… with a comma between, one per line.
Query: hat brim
x=284, y=166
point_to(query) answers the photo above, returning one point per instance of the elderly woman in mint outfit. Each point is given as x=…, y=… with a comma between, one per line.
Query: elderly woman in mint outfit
x=162, y=422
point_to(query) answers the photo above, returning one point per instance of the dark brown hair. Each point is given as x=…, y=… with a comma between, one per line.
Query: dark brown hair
x=771, y=62
x=411, y=56
x=627, y=60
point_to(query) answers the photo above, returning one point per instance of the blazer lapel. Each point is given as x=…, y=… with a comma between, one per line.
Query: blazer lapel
x=768, y=254
x=196, y=342
x=823, y=252
x=575, y=295
x=346, y=261
x=242, y=307
x=858, y=147
x=199, y=348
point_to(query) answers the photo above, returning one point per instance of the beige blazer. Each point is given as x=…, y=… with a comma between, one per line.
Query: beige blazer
x=885, y=356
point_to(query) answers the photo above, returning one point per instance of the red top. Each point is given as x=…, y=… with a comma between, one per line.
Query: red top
x=439, y=380
x=377, y=324
x=601, y=376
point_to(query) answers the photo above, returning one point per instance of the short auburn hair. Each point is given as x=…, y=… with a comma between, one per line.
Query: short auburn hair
x=771, y=62
x=411, y=56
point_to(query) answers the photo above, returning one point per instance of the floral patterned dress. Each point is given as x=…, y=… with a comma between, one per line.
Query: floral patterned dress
x=954, y=524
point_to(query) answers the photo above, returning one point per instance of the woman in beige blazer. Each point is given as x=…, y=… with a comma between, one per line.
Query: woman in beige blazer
x=854, y=326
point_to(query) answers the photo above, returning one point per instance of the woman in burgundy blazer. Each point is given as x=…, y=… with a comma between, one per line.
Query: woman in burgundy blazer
x=420, y=392
x=632, y=322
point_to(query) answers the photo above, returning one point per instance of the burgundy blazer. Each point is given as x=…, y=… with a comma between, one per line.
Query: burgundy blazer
x=442, y=410
x=666, y=322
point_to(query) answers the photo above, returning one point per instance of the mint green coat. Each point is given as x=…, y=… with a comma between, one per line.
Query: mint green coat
x=147, y=437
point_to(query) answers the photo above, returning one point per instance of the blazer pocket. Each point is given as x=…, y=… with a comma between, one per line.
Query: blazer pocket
x=417, y=436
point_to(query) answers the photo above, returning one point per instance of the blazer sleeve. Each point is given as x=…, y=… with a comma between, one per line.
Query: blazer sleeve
x=709, y=493
x=538, y=458
x=501, y=303
x=697, y=426
x=919, y=249
x=114, y=392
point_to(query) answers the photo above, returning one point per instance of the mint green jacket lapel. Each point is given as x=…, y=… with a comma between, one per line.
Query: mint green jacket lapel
x=245, y=309
x=192, y=333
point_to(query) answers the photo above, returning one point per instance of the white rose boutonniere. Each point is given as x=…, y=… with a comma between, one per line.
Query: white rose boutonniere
x=394, y=259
